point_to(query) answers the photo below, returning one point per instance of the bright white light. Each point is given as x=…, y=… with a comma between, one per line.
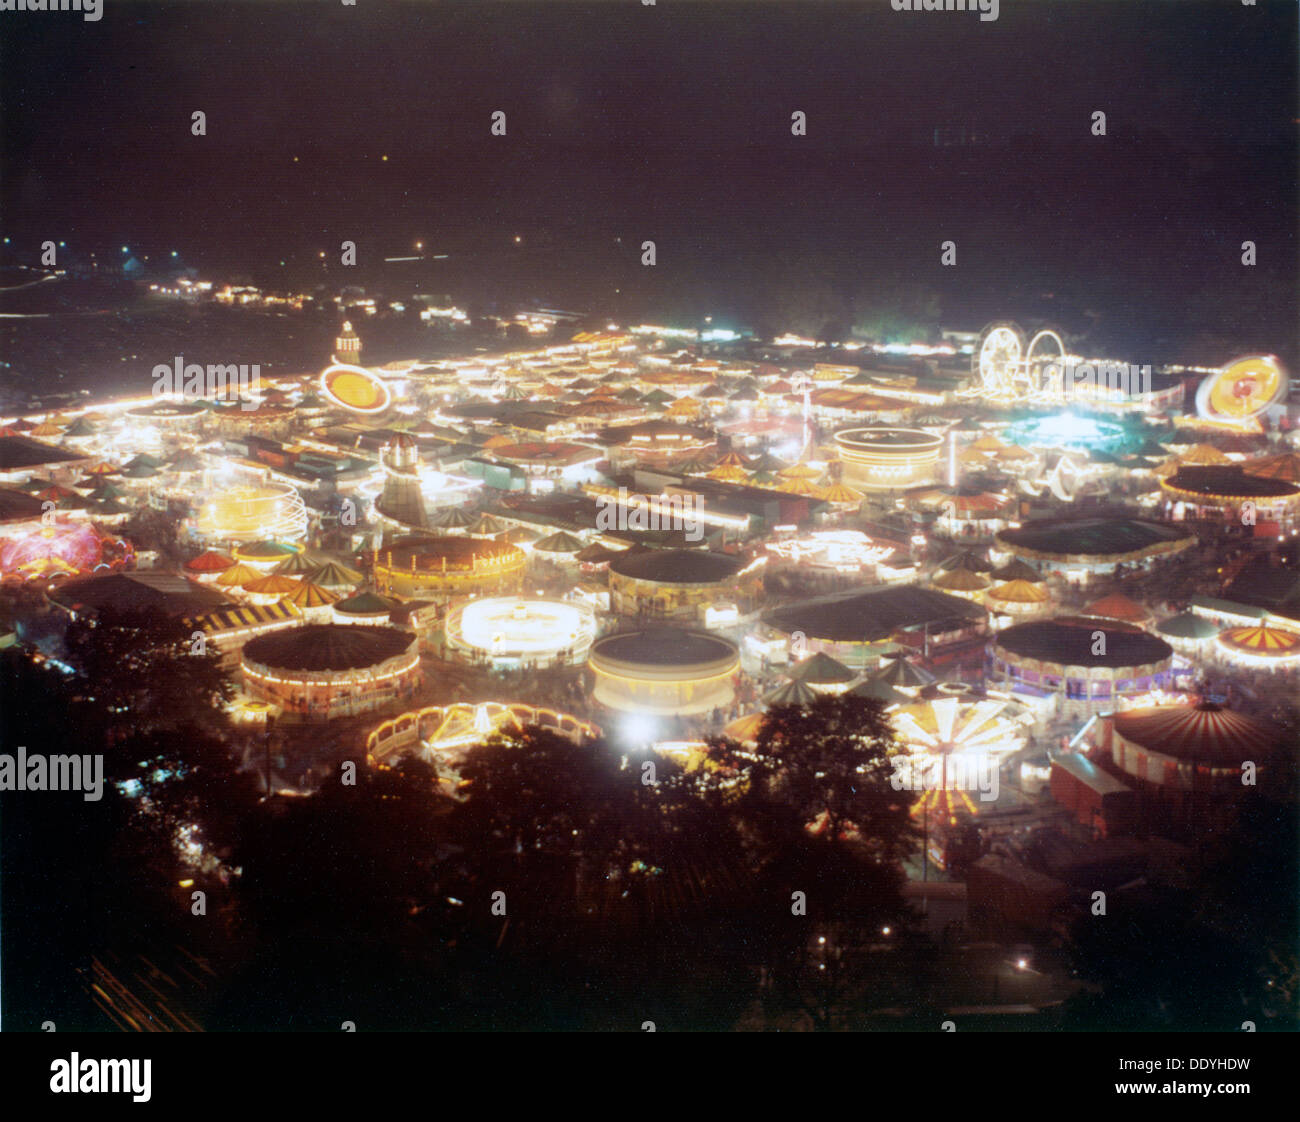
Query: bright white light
x=638, y=728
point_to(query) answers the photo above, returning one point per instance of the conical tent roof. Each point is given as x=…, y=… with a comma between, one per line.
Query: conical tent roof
x=902, y=672
x=765, y=461
x=145, y=459
x=822, y=670
x=841, y=495
x=1017, y=570
x=960, y=580
x=309, y=595
x=237, y=576
x=79, y=428
x=966, y=560
x=879, y=689
x=139, y=471
x=729, y=474
x=185, y=461
x=334, y=575
x=560, y=542
x=453, y=519
x=271, y=585
x=800, y=471
x=1020, y=592
x=209, y=562
x=296, y=565
x=487, y=524
x=791, y=693
x=108, y=507
x=365, y=603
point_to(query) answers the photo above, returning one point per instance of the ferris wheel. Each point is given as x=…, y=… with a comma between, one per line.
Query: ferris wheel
x=998, y=357
x=1044, y=371
x=1005, y=366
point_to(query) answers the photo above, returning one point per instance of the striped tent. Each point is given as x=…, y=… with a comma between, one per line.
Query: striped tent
x=1261, y=641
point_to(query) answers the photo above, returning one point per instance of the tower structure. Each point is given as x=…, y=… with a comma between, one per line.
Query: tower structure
x=401, y=500
x=347, y=346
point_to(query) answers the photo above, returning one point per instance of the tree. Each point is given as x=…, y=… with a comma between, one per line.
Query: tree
x=829, y=762
x=145, y=670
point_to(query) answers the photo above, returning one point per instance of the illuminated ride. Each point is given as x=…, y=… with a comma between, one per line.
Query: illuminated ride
x=1005, y=366
x=62, y=550
x=886, y=458
x=955, y=746
x=439, y=732
x=330, y=670
x=845, y=551
x=510, y=631
x=355, y=388
x=249, y=513
x=1242, y=390
x=665, y=672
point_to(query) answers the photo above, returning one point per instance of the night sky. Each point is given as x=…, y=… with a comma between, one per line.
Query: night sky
x=673, y=122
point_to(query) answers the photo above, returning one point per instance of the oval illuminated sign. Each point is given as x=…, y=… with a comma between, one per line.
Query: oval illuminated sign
x=355, y=388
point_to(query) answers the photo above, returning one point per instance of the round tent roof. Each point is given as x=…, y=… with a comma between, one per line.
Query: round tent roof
x=664, y=654
x=1285, y=467
x=1118, y=606
x=1188, y=625
x=676, y=566
x=1068, y=641
x=327, y=646
x=1261, y=641
x=1092, y=539
x=1204, y=734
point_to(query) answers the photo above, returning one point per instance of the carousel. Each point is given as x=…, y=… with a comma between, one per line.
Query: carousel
x=665, y=672
x=325, y=670
x=512, y=631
